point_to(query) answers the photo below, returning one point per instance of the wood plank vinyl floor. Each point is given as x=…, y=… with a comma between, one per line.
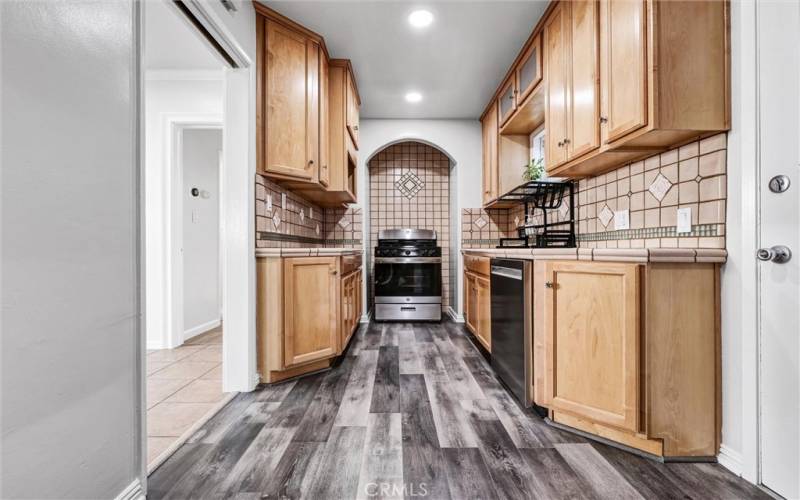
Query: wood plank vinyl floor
x=412, y=411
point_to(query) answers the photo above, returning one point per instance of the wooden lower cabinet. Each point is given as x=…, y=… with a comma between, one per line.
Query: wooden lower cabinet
x=630, y=352
x=477, y=300
x=306, y=313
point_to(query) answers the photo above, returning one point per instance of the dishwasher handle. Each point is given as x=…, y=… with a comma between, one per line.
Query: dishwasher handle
x=507, y=272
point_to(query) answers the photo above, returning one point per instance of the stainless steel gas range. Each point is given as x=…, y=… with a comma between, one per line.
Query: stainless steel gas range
x=408, y=276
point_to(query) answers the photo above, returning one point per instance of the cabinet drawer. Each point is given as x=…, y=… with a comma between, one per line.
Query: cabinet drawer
x=478, y=265
x=350, y=263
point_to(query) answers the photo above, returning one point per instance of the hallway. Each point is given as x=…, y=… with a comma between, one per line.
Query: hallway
x=412, y=410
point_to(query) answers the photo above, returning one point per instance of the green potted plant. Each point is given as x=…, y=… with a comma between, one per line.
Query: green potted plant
x=534, y=170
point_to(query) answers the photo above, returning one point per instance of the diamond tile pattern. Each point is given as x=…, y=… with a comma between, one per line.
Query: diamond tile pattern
x=660, y=187
x=480, y=222
x=606, y=215
x=409, y=184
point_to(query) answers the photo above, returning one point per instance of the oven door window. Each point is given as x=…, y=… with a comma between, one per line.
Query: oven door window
x=408, y=280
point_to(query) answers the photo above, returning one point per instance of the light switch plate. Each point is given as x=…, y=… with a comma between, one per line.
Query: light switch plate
x=622, y=220
x=684, y=220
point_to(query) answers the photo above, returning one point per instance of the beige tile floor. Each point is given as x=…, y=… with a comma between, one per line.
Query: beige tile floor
x=183, y=385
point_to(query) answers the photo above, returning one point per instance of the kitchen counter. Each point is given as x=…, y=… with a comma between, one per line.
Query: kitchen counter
x=306, y=252
x=605, y=254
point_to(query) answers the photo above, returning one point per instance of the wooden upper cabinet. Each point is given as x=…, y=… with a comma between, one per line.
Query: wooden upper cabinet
x=353, y=104
x=489, y=128
x=584, y=125
x=324, y=118
x=507, y=102
x=624, y=73
x=556, y=54
x=289, y=121
x=529, y=69
x=592, y=341
x=311, y=309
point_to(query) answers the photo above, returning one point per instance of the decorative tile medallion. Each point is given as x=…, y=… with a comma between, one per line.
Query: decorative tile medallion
x=409, y=184
x=660, y=187
x=564, y=209
x=480, y=222
x=276, y=219
x=606, y=215
x=344, y=222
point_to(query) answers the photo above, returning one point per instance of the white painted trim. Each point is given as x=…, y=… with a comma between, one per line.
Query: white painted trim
x=133, y=491
x=203, y=75
x=365, y=317
x=238, y=216
x=730, y=459
x=743, y=158
x=201, y=329
x=153, y=345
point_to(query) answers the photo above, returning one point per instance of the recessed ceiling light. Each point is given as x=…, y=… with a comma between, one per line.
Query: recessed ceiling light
x=420, y=18
x=413, y=97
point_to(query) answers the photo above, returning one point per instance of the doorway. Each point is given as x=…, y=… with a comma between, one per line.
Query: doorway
x=188, y=116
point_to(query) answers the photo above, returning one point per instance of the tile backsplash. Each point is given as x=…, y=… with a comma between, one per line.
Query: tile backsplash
x=300, y=223
x=409, y=186
x=693, y=176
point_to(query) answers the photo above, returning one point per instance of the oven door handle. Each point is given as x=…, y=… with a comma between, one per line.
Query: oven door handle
x=408, y=260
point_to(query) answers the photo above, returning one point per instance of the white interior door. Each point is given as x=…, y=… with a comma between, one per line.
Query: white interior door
x=779, y=300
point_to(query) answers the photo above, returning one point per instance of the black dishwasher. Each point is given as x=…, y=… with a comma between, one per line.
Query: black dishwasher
x=511, y=317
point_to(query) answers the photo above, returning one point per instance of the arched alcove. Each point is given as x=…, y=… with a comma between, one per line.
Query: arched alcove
x=409, y=186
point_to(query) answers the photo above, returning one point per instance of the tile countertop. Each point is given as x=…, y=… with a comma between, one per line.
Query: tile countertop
x=606, y=254
x=306, y=252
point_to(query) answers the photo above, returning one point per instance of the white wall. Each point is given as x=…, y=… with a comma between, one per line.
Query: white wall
x=201, y=232
x=185, y=97
x=461, y=139
x=71, y=351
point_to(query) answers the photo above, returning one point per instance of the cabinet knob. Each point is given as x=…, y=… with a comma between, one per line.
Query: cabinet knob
x=560, y=143
x=334, y=272
x=310, y=162
x=603, y=119
x=355, y=127
x=548, y=284
x=566, y=141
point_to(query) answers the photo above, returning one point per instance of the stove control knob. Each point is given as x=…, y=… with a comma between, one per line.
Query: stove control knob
x=408, y=252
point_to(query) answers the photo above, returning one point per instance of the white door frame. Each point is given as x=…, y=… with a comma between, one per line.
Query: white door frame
x=175, y=126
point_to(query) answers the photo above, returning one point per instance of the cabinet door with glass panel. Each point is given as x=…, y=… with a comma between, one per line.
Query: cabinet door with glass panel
x=529, y=69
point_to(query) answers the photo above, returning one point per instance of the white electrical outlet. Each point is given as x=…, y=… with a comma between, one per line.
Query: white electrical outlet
x=684, y=220
x=283, y=201
x=622, y=220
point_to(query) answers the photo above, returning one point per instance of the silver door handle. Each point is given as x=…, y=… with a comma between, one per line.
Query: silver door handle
x=778, y=254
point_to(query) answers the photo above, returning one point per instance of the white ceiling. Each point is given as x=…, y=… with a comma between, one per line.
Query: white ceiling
x=172, y=43
x=456, y=63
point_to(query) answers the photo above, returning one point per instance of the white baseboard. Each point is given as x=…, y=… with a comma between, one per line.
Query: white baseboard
x=731, y=460
x=132, y=492
x=200, y=329
x=365, y=317
x=454, y=315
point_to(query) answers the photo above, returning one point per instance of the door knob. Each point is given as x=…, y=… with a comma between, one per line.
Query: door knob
x=778, y=254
